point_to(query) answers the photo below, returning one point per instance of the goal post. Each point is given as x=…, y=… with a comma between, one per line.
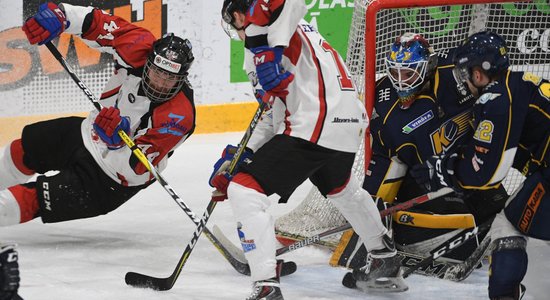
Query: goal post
x=445, y=24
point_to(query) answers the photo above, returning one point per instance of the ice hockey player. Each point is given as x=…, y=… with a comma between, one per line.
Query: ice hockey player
x=315, y=132
x=419, y=113
x=148, y=97
x=9, y=272
x=512, y=121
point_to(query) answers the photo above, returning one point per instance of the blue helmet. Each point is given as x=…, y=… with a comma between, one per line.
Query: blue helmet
x=409, y=64
x=484, y=49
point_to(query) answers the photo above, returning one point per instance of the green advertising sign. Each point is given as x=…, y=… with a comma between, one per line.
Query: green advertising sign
x=331, y=17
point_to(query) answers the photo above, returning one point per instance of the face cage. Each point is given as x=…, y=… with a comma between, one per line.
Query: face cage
x=230, y=30
x=402, y=87
x=160, y=92
x=461, y=75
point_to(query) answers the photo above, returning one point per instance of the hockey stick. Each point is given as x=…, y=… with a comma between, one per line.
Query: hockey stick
x=137, y=152
x=243, y=267
x=449, y=246
x=163, y=284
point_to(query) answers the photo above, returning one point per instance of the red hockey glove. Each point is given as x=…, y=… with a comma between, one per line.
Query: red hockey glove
x=107, y=124
x=48, y=23
x=271, y=74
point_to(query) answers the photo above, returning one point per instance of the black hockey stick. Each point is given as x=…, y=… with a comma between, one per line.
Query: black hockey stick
x=163, y=284
x=243, y=267
x=450, y=245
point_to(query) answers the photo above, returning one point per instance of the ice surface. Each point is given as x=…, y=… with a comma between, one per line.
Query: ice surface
x=87, y=259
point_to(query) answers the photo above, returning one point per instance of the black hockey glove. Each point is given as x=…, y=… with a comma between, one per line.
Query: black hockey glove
x=436, y=173
x=9, y=273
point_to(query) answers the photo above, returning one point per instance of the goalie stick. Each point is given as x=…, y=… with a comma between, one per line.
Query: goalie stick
x=243, y=267
x=450, y=245
x=141, y=280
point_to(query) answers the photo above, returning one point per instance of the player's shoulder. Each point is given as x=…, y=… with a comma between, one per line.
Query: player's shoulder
x=179, y=112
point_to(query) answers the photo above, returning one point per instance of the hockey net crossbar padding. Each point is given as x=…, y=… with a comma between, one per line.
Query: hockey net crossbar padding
x=374, y=27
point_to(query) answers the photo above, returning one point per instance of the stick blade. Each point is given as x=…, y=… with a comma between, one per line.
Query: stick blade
x=144, y=281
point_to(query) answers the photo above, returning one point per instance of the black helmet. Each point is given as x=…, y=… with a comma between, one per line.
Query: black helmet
x=166, y=68
x=484, y=49
x=231, y=6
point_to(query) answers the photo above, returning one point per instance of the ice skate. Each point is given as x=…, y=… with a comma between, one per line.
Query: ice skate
x=268, y=289
x=381, y=273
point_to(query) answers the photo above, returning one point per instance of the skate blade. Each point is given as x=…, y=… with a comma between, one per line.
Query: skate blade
x=383, y=285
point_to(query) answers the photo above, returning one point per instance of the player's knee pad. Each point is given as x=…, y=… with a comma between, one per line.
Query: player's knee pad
x=12, y=169
x=508, y=266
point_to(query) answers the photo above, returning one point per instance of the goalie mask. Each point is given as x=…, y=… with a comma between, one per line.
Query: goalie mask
x=486, y=50
x=409, y=65
x=228, y=18
x=166, y=68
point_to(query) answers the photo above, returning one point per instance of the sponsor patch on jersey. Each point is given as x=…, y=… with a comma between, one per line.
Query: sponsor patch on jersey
x=487, y=97
x=166, y=64
x=476, y=162
x=345, y=120
x=131, y=98
x=423, y=119
x=481, y=150
x=173, y=127
x=531, y=208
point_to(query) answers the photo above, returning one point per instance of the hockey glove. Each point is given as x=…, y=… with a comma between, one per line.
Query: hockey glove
x=9, y=272
x=107, y=124
x=269, y=70
x=220, y=178
x=262, y=96
x=47, y=24
x=436, y=173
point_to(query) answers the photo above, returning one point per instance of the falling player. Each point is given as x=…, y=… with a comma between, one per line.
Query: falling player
x=148, y=97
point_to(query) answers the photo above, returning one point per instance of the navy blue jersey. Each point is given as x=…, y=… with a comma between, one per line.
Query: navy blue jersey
x=437, y=122
x=511, y=115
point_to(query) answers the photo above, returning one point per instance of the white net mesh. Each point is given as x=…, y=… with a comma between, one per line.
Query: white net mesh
x=526, y=27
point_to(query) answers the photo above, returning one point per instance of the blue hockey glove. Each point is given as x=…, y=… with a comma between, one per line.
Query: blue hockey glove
x=107, y=124
x=271, y=75
x=220, y=178
x=436, y=173
x=47, y=24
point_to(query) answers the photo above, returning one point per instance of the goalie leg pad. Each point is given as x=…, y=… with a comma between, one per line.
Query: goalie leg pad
x=255, y=227
x=508, y=267
x=358, y=207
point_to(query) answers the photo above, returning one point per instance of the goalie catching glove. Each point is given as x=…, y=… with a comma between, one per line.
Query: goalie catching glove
x=436, y=173
x=220, y=177
x=273, y=78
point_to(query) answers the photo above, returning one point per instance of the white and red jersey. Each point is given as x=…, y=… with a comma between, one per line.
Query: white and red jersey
x=156, y=128
x=322, y=105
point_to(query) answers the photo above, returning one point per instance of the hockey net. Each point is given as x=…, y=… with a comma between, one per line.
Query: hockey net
x=374, y=27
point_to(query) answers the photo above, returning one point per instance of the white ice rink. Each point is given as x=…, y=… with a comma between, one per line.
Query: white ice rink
x=87, y=259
